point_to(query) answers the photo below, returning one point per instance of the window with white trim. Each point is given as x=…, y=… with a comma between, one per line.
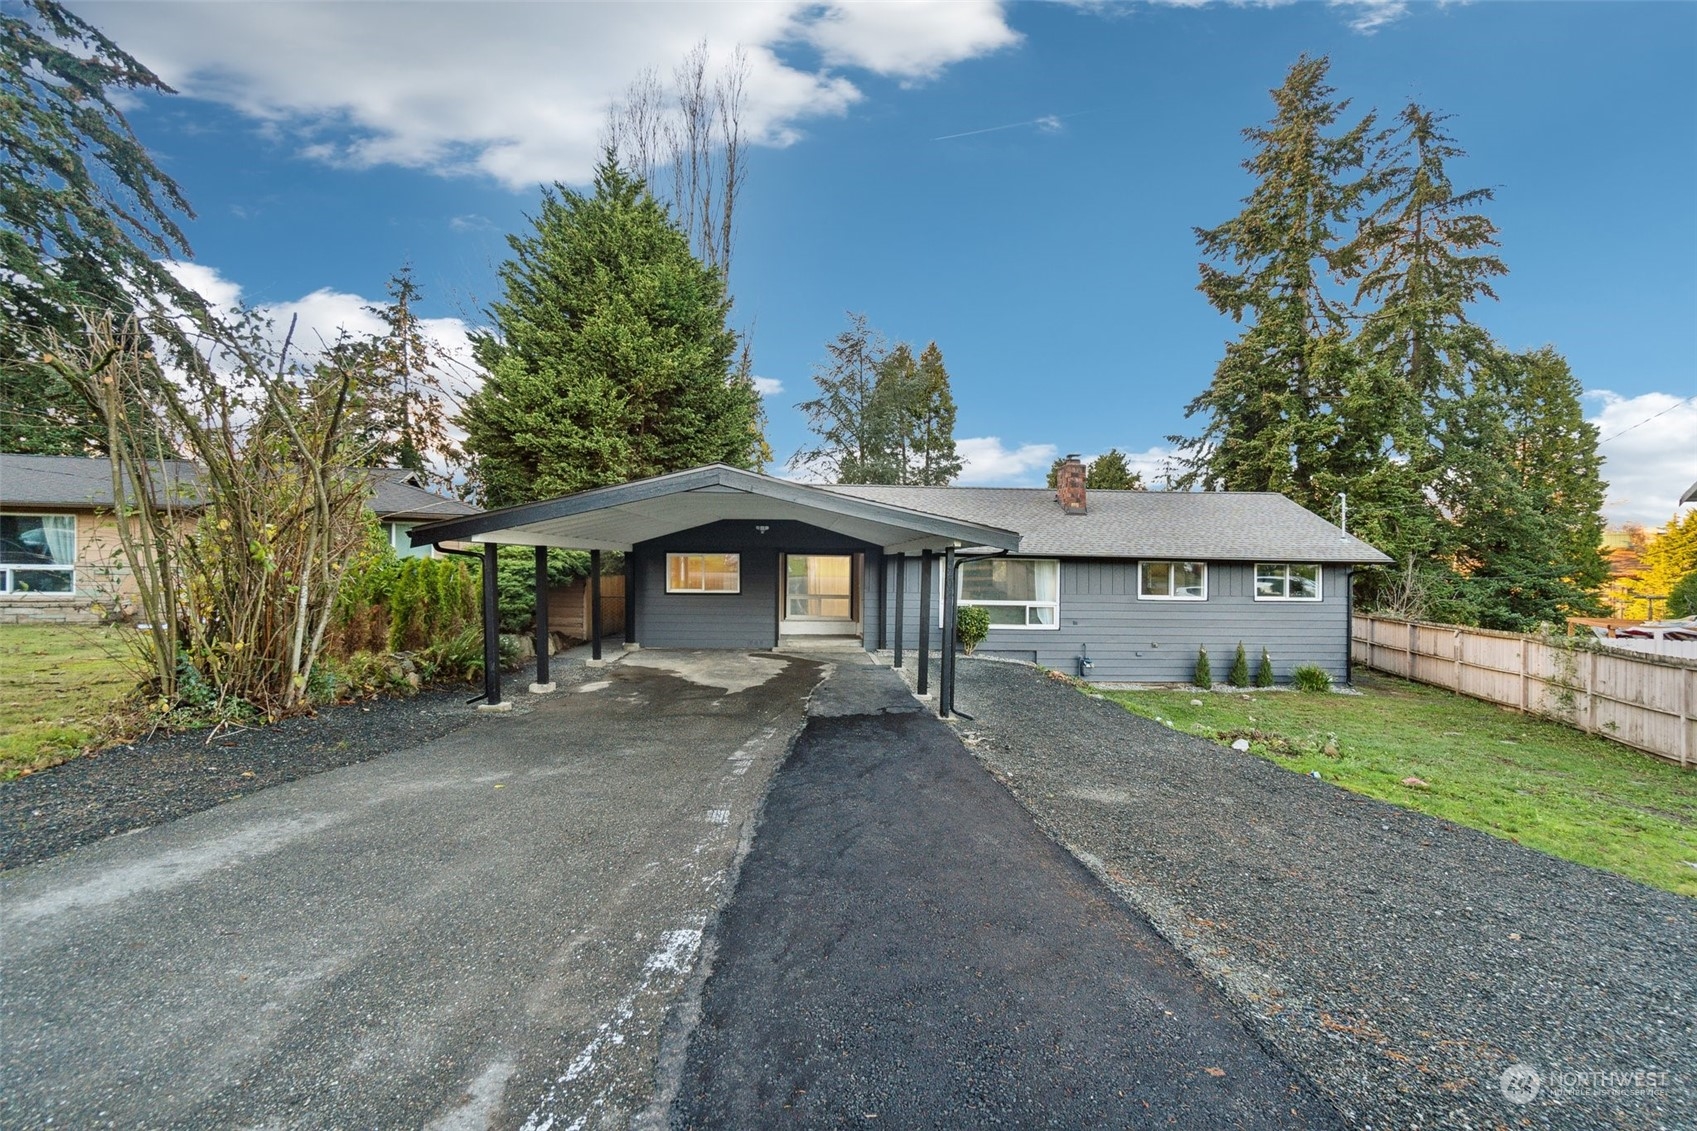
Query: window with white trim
x=1016, y=592
x=704, y=573
x=38, y=553
x=1172, y=581
x=1286, y=581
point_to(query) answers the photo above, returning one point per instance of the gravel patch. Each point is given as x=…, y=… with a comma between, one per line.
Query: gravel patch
x=137, y=785
x=1402, y=963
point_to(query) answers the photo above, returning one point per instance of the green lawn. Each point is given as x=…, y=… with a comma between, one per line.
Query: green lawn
x=57, y=685
x=1533, y=782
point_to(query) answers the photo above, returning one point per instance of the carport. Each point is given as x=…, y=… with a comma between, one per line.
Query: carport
x=717, y=557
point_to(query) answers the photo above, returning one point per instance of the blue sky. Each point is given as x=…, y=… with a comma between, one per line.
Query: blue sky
x=1050, y=255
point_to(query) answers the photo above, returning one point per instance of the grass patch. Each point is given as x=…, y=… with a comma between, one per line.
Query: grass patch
x=1523, y=779
x=58, y=685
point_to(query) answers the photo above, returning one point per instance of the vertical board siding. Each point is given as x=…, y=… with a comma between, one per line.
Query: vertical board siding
x=1643, y=701
x=1133, y=641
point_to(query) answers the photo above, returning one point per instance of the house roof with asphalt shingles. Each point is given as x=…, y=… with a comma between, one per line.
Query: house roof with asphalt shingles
x=1214, y=525
x=85, y=483
x=1690, y=495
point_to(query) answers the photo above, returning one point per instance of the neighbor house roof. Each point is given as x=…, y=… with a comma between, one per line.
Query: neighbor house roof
x=1690, y=495
x=85, y=483
x=1217, y=525
x=618, y=517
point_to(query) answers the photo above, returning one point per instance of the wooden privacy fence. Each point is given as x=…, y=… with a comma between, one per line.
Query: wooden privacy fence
x=568, y=607
x=1642, y=701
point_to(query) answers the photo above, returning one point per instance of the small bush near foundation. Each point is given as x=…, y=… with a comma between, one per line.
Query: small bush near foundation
x=1311, y=677
x=1204, y=677
x=1264, y=673
x=972, y=625
x=1239, y=676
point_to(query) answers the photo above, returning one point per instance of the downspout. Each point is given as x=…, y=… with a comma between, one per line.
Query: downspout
x=951, y=606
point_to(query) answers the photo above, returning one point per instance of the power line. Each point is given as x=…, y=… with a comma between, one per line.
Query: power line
x=1641, y=423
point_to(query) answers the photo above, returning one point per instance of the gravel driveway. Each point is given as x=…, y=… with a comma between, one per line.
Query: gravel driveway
x=1402, y=963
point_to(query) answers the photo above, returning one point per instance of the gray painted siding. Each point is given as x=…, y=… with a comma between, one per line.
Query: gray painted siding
x=746, y=620
x=1137, y=641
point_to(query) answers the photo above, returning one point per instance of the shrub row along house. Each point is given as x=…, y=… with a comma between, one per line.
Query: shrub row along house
x=1135, y=581
x=59, y=553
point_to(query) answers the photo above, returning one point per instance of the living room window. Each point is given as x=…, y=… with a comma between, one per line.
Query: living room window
x=1172, y=581
x=704, y=573
x=38, y=553
x=1285, y=581
x=1016, y=592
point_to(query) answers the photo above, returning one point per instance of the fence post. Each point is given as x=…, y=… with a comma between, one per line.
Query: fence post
x=1591, y=692
x=1526, y=703
x=1457, y=687
x=1685, y=677
x=1410, y=649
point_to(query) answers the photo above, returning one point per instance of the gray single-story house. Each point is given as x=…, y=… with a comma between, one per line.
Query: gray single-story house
x=59, y=548
x=1119, y=586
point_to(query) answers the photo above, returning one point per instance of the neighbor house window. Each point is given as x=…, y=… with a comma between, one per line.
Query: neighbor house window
x=1016, y=592
x=1282, y=581
x=1172, y=581
x=703, y=573
x=38, y=553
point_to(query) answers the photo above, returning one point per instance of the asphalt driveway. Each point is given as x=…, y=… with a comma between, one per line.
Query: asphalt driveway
x=907, y=949
x=484, y=930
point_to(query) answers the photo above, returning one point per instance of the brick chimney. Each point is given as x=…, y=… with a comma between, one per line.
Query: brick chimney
x=1069, y=484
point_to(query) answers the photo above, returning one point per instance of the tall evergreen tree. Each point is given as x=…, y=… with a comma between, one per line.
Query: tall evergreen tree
x=850, y=432
x=611, y=359
x=1280, y=416
x=87, y=212
x=935, y=462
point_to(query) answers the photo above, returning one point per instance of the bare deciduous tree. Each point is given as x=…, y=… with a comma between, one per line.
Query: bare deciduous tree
x=687, y=142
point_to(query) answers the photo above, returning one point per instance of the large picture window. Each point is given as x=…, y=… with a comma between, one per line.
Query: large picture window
x=1016, y=592
x=1284, y=581
x=38, y=553
x=1172, y=581
x=704, y=573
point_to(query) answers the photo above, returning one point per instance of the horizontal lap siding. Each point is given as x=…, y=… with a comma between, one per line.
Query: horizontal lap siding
x=1156, y=641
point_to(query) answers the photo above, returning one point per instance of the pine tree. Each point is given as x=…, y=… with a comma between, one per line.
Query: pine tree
x=935, y=461
x=1280, y=414
x=612, y=360
x=1239, y=676
x=88, y=215
x=850, y=432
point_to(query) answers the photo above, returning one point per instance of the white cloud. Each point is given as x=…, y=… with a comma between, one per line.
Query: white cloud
x=985, y=462
x=519, y=92
x=1365, y=16
x=324, y=315
x=768, y=386
x=912, y=40
x=1649, y=446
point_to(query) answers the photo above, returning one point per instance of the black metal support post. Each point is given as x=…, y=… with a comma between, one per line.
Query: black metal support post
x=946, y=693
x=883, y=597
x=901, y=601
x=630, y=598
x=924, y=684
x=491, y=628
x=595, y=604
x=542, y=614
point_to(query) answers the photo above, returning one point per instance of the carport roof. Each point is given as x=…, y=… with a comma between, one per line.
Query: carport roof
x=618, y=517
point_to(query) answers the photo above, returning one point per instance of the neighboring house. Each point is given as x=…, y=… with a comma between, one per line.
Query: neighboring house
x=721, y=558
x=59, y=549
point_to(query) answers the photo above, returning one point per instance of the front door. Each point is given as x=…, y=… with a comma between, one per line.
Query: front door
x=819, y=595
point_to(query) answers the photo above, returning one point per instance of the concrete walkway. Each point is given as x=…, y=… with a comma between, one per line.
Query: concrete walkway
x=906, y=949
